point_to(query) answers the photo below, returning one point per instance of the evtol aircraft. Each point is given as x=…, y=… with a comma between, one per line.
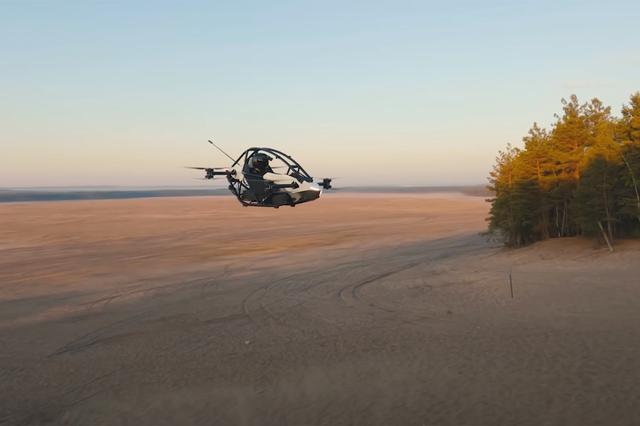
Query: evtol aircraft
x=266, y=177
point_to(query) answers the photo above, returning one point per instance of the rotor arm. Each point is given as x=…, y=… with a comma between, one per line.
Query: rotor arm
x=210, y=172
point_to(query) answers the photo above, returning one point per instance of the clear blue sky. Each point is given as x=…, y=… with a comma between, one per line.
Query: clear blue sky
x=124, y=93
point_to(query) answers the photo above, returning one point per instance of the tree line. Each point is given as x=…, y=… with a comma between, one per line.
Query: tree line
x=580, y=177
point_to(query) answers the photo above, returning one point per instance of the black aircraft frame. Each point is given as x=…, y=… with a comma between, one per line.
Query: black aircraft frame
x=243, y=188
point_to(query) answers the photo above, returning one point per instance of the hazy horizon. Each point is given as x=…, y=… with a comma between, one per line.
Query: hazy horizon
x=382, y=93
x=203, y=186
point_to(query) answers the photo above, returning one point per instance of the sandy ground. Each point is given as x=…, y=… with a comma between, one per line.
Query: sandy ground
x=376, y=309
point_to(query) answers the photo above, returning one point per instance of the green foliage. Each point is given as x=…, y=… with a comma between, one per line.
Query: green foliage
x=579, y=178
x=596, y=199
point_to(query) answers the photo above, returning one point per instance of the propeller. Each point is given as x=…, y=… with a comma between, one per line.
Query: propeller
x=326, y=183
x=206, y=168
x=211, y=171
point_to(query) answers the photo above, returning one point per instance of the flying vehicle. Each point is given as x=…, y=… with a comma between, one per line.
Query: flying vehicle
x=266, y=177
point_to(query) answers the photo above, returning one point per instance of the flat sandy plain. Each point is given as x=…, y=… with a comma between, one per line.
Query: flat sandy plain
x=369, y=309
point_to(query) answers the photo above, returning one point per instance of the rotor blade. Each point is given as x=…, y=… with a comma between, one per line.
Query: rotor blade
x=220, y=149
x=212, y=181
x=206, y=168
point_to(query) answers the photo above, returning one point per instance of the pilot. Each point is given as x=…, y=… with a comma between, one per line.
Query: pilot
x=255, y=168
x=259, y=164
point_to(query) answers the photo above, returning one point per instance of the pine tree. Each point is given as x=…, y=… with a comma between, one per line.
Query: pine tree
x=501, y=215
x=568, y=141
x=596, y=198
x=628, y=136
x=630, y=122
x=537, y=164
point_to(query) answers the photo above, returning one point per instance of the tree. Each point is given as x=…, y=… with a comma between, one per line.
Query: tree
x=628, y=136
x=595, y=202
x=538, y=164
x=569, y=139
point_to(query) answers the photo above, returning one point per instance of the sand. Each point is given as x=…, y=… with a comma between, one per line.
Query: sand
x=375, y=309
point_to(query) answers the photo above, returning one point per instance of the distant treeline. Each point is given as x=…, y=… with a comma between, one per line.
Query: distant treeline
x=11, y=196
x=471, y=190
x=580, y=177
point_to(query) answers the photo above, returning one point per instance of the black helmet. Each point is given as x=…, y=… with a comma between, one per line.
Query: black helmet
x=260, y=161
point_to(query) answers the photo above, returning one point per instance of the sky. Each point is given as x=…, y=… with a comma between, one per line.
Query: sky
x=374, y=93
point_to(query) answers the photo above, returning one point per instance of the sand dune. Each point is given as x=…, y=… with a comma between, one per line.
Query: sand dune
x=370, y=309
